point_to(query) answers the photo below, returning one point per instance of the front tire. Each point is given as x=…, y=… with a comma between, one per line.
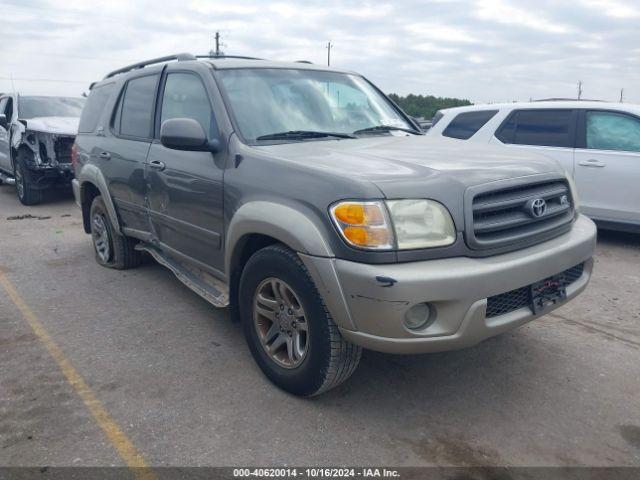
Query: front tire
x=290, y=333
x=24, y=187
x=112, y=250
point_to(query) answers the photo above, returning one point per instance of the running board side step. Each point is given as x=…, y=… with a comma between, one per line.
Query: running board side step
x=4, y=178
x=211, y=289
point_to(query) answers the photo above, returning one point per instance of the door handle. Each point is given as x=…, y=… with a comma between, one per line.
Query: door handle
x=592, y=162
x=157, y=165
x=105, y=155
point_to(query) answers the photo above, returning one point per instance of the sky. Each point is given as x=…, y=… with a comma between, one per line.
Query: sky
x=485, y=51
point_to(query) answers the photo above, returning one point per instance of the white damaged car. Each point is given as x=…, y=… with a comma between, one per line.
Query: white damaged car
x=36, y=138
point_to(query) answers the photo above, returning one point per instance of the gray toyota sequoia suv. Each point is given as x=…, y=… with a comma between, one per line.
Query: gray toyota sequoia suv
x=305, y=200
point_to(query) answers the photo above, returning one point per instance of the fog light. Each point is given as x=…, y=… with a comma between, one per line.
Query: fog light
x=419, y=316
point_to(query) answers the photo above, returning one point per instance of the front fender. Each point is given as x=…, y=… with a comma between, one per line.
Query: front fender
x=92, y=174
x=285, y=224
x=298, y=232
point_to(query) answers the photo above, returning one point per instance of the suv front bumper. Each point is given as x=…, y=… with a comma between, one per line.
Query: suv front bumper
x=372, y=315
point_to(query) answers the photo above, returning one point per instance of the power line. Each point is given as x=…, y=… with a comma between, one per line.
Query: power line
x=23, y=53
x=57, y=80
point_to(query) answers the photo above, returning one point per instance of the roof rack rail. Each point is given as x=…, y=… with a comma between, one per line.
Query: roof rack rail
x=229, y=56
x=304, y=61
x=560, y=99
x=179, y=57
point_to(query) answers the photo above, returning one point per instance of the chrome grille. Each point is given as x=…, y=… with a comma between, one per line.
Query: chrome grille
x=519, y=213
x=521, y=297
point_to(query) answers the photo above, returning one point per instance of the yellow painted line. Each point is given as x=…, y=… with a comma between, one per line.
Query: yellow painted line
x=116, y=436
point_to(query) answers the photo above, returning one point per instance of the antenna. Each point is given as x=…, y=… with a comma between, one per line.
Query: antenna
x=621, y=95
x=13, y=85
x=329, y=53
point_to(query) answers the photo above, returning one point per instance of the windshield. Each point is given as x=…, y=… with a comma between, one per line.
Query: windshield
x=32, y=107
x=270, y=101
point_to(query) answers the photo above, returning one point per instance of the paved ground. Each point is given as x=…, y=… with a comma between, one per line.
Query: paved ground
x=176, y=377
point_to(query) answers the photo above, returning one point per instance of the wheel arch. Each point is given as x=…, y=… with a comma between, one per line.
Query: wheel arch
x=92, y=183
x=251, y=230
x=253, y=223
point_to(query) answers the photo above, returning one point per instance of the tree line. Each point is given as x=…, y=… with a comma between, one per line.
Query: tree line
x=426, y=105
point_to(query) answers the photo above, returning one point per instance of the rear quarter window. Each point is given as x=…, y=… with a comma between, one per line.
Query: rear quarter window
x=466, y=124
x=94, y=107
x=135, y=114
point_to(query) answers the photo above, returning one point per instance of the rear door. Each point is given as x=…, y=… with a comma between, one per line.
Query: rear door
x=186, y=188
x=550, y=132
x=608, y=165
x=123, y=153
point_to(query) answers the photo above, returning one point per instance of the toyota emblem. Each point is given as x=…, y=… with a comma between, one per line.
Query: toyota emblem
x=537, y=207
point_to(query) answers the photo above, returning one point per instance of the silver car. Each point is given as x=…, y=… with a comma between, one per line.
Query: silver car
x=597, y=143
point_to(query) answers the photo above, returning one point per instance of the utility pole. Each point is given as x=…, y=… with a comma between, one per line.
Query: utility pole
x=217, y=52
x=579, y=89
x=329, y=53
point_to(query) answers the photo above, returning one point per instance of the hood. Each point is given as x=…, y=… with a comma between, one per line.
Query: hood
x=55, y=125
x=402, y=165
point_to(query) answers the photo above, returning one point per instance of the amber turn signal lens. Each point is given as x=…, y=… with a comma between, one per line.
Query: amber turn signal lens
x=359, y=214
x=364, y=224
x=364, y=236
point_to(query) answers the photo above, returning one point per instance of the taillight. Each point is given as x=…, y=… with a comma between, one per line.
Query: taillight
x=74, y=155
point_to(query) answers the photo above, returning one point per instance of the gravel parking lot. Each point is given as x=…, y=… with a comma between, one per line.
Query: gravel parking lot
x=175, y=376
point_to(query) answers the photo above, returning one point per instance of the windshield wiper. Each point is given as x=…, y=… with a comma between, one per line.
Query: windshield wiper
x=302, y=134
x=385, y=128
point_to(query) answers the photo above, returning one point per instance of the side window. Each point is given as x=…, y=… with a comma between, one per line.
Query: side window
x=436, y=118
x=613, y=131
x=93, y=108
x=135, y=115
x=185, y=97
x=549, y=128
x=466, y=124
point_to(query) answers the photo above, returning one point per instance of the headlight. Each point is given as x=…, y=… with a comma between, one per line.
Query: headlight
x=574, y=192
x=400, y=224
x=421, y=224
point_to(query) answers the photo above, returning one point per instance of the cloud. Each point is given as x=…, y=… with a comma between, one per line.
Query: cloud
x=487, y=50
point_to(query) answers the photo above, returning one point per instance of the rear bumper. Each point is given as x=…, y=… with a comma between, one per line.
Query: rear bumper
x=372, y=315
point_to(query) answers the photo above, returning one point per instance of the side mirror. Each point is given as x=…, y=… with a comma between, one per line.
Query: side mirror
x=186, y=134
x=3, y=121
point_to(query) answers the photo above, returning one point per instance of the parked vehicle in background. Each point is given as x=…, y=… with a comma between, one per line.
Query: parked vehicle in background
x=304, y=199
x=36, y=135
x=598, y=143
x=423, y=123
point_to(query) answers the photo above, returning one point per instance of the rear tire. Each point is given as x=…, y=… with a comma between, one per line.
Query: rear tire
x=112, y=250
x=323, y=359
x=24, y=187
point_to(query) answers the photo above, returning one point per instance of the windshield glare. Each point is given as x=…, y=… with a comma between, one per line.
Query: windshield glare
x=32, y=107
x=268, y=101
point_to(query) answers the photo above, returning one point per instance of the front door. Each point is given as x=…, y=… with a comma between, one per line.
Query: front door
x=607, y=167
x=186, y=188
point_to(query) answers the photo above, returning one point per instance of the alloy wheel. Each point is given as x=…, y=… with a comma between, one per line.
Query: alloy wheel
x=100, y=236
x=19, y=182
x=281, y=323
